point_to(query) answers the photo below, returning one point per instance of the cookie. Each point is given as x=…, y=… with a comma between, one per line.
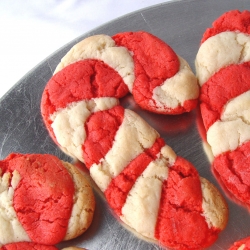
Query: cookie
x=58, y=203
x=223, y=69
x=149, y=187
x=27, y=246
x=243, y=244
x=159, y=79
x=73, y=248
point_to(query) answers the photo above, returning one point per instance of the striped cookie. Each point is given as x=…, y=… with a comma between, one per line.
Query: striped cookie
x=243, y=244
x=34, y=246
x=160, y=80
x=223, y=69
x=149, y=187
x=58, y=203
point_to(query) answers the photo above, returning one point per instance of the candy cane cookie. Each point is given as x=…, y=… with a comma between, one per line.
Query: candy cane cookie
x=223, y=70
x=42, y=200
x=159, y=79
x=149, y=187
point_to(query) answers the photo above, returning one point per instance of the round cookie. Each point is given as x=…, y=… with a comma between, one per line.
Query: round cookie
x=58, y=203
x=151, y=190
x=223, y=69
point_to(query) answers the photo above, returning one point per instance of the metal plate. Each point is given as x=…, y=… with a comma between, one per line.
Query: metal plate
x=179, y=23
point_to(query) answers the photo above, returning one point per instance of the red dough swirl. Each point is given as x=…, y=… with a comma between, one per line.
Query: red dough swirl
x=229, y=21
x=223, y=69
x=149, y=188
x=33, y=246
x=27, y=246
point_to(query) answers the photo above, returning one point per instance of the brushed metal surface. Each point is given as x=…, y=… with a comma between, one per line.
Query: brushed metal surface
x=179, y=23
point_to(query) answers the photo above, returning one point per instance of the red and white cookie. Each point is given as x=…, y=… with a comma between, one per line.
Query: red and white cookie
x=223, y=70
x=33, y=246
x=150, y=189
x=243, y=244
x=42, y=200
x=27, y=246
x=160, y=80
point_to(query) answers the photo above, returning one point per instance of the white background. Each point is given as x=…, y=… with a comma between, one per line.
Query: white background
x=32, y=30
